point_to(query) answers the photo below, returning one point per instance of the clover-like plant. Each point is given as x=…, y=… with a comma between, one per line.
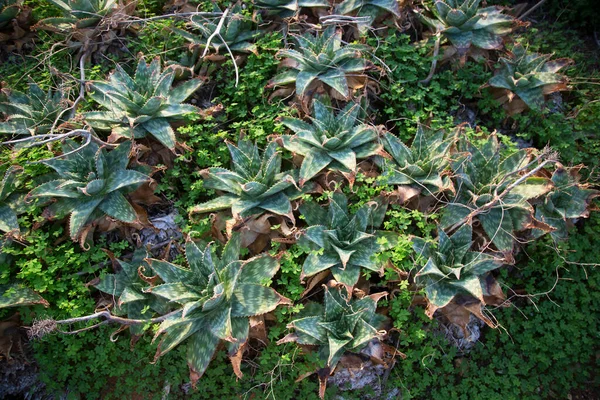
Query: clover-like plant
x=217, y=296
x=236, y=34
x=128, y=289
x=344, y=242
x=568, y=199
x=254, y=185
x=494, y=190
x=529, y=77
x=464, y=24
x=141, y=105
x=91, y=183
x=372, y=9
x=338, y=326
x=34, y=112
x=289, y=8
x=330, y=141
x=451, y=268
x=321, y=59
x=423, y=165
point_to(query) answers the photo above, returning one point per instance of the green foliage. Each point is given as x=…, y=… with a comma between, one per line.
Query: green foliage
x=78, y=14
x=332, y=141
x=15, y=295
x=320, y=58
x=337, y=326
x=422, y=165
x=372, y=9
x=34, y=112
x=217, y=296
x=11, y=203
x=530, y=76
x=343, y=242
x=236, y=33
x=464, y=24
x=451, y=268
x=91, y=183
x=288, y=8
x=141, y=105
x=481, y=174
x=567, y=200
x=9, y=9
x=255, y=184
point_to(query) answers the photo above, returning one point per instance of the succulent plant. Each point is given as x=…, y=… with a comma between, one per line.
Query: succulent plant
x=141, y=105
x=289, y=8
x=338, y=326
x=451, y=268
x=567, y=200
x=530, y=76
x=236, y=34
x=9, y=9
x=480, y=176
x=34, y=112
x=79, y=13
x=321, y=58
x=331, y=141
x=10, y=202
x=372, y=9
x=344, y=242
x=217, y=297
x=92, y=182
x=17, y=295
x=464, y=24
x=128, y=289
x=254, y=185
x=421, y=166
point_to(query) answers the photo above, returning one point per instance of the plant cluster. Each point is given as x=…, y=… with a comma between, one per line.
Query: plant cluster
x=321, y=210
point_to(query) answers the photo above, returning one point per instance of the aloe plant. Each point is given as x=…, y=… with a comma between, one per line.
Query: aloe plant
x=480, y=176
x=321, y=58
x=331, y=141
x=372, y=9
x=464, y=24
x=421, y=166
x=568, y=199
x=289, y=8
x=217, y=296
x=254, y=185
x=530, y=76
x=17, y=295
x=9, y=9
x=141, y=105
x=10, y=202
x=337, y=326
x=236, y=33
x=92, y=182
x=78, y=14
x=34, y=112
x=451, y=268
x=344, y=242
x=129, y=290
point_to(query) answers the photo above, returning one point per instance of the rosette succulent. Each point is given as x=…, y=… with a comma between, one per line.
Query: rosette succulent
x=423, y=165
x=480, y=176
x=464, y=24
x=372, y=9
x=10, y=201
x=142, y=105
x=9, y=9
x=338, y=326
x=569, y=199
x=330, y=141
x=451, y=268
x=129, y=290
x=217, y=296
x=91, y=183
x=34, y=112
x=344, y=242
x=321, y=59
x=529, y=76
x=254, y=185
x=289, y=8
